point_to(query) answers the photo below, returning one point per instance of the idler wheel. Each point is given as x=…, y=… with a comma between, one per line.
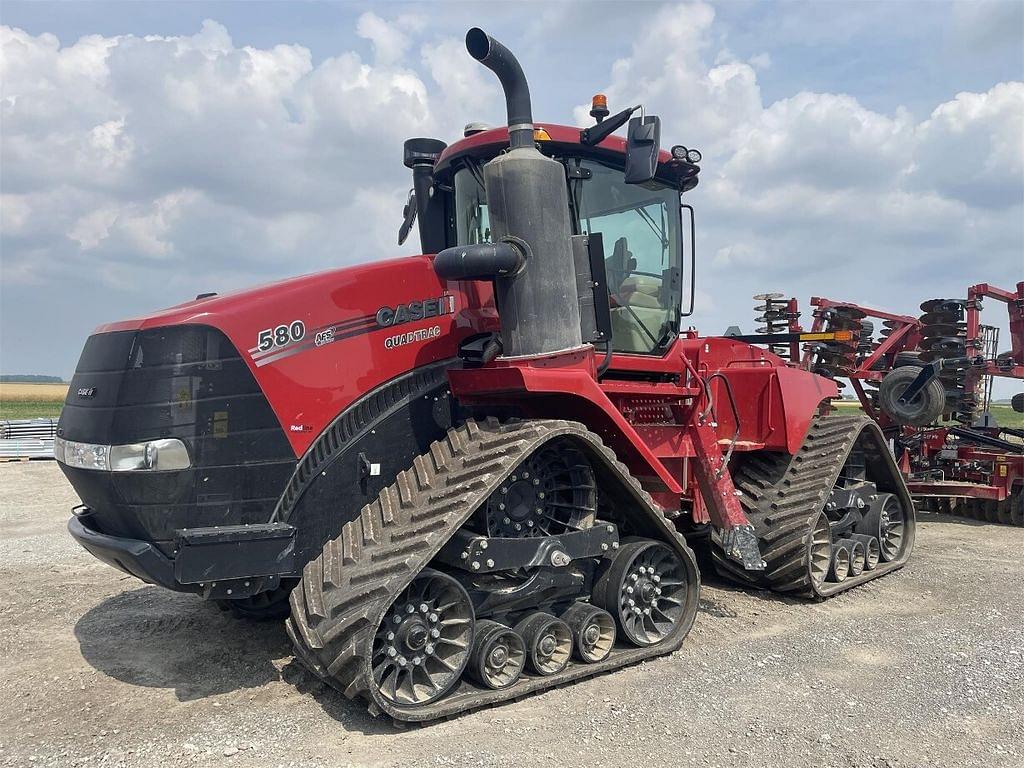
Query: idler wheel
x=593, y=632
x=840, y=566
x=423, y=643
x=871, y=550
x=548, y=642
x=885, y=520
x=819, y=551
x=499, y=655
x=645, y=589
x=857, y=556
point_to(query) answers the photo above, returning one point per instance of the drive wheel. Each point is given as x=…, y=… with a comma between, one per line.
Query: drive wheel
x=423, y=643
x=1017, y=507
x=886, y=521
x=645, y=589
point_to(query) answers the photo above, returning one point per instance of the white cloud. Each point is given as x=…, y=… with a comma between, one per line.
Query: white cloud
x=138, y=171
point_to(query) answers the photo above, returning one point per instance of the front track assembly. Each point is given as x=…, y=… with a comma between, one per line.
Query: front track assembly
x=433, y=602
x=830, y=517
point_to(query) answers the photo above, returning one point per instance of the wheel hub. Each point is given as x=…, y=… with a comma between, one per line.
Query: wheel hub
x=591, y=635
x=547, y=645
x=498, y=657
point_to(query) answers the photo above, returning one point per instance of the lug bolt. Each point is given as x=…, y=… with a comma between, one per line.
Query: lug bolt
x=526, y=475
x=629, y=590
x=540, y=495
x=501, y=506
x=657, y=591
x=416, y=660
x=615, y=545
x=432, y=618
x=424, y=608
x=604, y=547
x=391, y=636
x=476, y=565
x=506, y=521
x=504, y=489
x=402, y=661
x=397, y=619
x=435, y=633
x=631, y=603
x=392, y=652
x=536, y=481
x=518, y=527
x=539, y=510
x=429, y=648
x=483, y=544
x=647, y=611
x=490, y=563
x=656, y=579
x=529, y=523
x=513, y=478
x=633, y=577
x=410, y=608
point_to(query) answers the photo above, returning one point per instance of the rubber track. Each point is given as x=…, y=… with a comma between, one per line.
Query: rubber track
x=782, y=496
x=345, y=592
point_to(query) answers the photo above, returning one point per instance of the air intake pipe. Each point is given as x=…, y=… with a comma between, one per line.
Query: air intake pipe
x=528, y=206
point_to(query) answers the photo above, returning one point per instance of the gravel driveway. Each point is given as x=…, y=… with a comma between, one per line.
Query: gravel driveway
x=924, y=667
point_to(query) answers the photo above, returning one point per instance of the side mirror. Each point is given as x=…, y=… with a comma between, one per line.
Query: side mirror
x=643, y=141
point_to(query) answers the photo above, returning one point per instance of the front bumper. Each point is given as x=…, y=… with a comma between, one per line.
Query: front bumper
x=224, y=562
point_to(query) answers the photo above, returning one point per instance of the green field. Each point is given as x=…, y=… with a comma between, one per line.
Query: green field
x=31, y=401
x=1005, y=416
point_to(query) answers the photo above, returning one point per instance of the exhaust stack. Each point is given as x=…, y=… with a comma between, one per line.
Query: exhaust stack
x=528, y=207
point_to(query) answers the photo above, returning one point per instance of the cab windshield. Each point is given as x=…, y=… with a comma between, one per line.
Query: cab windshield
x=641, y=229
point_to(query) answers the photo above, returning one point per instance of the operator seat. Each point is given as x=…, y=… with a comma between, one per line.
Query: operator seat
x=640, y=293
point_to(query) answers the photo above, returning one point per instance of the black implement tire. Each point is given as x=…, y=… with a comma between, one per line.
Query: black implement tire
x=924, y=409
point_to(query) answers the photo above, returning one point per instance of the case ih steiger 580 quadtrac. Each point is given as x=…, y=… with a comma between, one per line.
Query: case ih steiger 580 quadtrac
x=927, y=381
x=474, y=472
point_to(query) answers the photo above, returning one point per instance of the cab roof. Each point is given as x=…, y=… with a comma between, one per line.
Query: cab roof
x=563, y=139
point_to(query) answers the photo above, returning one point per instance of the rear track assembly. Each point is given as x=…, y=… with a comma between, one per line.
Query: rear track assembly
x=792, y=502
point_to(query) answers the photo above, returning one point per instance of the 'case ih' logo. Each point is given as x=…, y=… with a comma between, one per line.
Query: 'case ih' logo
x=415, y=310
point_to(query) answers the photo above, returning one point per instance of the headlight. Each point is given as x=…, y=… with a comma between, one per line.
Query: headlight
x=164, y=454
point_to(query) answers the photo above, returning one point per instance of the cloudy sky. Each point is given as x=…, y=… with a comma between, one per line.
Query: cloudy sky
x=868, y=151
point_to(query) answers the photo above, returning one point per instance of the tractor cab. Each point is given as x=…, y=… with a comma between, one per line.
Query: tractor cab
x=627, y=190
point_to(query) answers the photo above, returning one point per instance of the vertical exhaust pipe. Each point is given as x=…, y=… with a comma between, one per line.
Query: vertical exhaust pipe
x=499, y=59
x=528, y=206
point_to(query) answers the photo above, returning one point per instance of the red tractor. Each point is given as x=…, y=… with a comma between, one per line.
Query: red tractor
x=927, y=381
x=474, y=474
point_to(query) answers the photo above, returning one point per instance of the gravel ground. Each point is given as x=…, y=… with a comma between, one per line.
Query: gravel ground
x=924, y=667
